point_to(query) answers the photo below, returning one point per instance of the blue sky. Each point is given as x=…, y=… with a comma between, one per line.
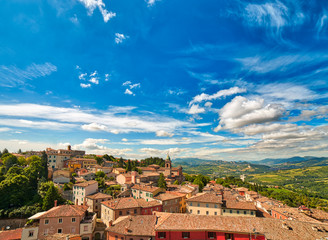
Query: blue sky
x=231, y=80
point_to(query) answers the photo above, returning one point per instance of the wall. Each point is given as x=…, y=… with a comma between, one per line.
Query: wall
x=234, y=212
x=278, y=215
x=12, y=223
x=26, y=231
x=204, y=235
x=193, y=208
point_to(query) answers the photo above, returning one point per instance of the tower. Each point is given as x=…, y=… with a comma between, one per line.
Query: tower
x=168, y=166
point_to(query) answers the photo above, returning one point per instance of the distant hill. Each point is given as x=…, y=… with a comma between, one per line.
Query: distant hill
x=277, y=161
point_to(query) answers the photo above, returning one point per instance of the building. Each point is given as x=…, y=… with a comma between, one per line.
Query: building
x=171, y=202
x=57, y=158
x=85, y=162
x=119, y=170
x=82, y=190
x=292, y=214
x=12, y=234
x=113, y=209
x=132, y=227
x=205, y=204
x=145, y=192
x=64, y=219
x=94, y=202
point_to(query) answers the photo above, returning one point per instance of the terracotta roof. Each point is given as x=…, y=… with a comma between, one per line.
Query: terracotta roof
x=206, y=198
x=99, y=196
x=167, y=196
x=64, y=211
x=231, y=204
x=294, y=214
x=119, y=169
x=140, y=225
x=147, y=169
x=145, y=188
x=272, y=228
x=11, y=234
x=241, y=189
x=85, y=184
x=62, y=236
x=319, y=214
x=129, y=202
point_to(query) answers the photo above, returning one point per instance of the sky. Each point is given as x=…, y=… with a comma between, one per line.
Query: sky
x=211, y=79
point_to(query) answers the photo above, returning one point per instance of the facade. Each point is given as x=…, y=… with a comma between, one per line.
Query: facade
x=113, y=209
x=171, y=202
x=82, y=190
x=64, y=219
x=145, y=192
x=94, y=202
x=57, y=158
x=119, y=170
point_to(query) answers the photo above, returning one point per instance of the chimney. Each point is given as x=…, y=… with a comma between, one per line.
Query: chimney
x=55, y=203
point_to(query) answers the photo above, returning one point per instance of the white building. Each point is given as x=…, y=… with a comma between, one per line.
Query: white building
x=81, y=190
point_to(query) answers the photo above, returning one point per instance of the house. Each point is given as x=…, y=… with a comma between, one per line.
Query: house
x=119, y=170
x=85, y=162
x=241, y=190
x=291, y=214
x=73, y=165
x=132, y=227
x=171, y=202
x=127, y=178
x=113, y=209
x=88, y=176
x=61, y=179
x=81, y=190
x=205, y=204
x=238, y=208
x=64, y=219
x=145, y=192
x=94, y=202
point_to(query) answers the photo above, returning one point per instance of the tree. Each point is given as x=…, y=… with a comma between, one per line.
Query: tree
x=128, y=166
x=9, y=160
x=200, y=183
x=121, y=162
x=19, y=151
x=5, y=151
x=161, y=181
x=44, y=163
x=99, y=160
x=44, y=187
x=100, y=174
x=50, y=197
x=34, y=171
x=176, y=182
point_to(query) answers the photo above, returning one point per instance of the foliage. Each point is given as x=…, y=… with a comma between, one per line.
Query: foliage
x=148, y=161
x=50, y=197
x=161, y=181
x=99, y=160
x=100, y=174
x=128, y=166
x=9, y=160
x=176, y=182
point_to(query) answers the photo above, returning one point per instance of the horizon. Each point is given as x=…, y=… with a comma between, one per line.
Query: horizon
x=209, y=80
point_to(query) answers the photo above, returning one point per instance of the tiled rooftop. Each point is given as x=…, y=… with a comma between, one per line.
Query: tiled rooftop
x=64, y=211
x=85, y=184
x=206, y=198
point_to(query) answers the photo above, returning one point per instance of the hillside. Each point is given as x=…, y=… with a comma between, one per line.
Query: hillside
x=312, y=179
x=219, y=168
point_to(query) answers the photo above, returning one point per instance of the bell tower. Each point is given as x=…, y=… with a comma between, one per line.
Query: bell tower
x=168, y=166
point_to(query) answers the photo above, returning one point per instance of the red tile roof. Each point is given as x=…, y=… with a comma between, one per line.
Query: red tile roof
x=64, y=211
x=85, y=184
x=206, y=198
x=99, y=196
x=129, y=202
x=11, y=234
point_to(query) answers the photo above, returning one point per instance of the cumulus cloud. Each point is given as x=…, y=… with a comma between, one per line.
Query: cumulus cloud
x=94, y=80
x=195, y=109
x=91, y=5
x=151, y=2
x=93, y=127
x=222, y=93
x=82, y=76
x=128, y=92
x=242, y=111
x=162, y=133
x=83, y=85
x=91, y=144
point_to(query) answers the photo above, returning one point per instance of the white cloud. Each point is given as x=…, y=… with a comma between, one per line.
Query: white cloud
x=127, y=91
x=11, y=76
x=119, y=37
x=107, y=76
x=91, y=144
x=35, y=124
x=85, y=85
x=219, y=94
x=136, y=85
x=255, y=129
x=91, y=5
x=94, y=80
x=195, y=109
x=74, y=19
x=4, y=129
x=82, y=76
x=241, y=112
x=94, y=74
x=93, y=127
x=151, y=2
x=208, y=104
x=124, y=140
x=126, y=83
x=162, y=133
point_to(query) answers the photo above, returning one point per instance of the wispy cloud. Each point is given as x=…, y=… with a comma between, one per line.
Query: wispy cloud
x=151, y=2
x=83, y=85
x=120, y=37
x=11, y=76
x=222, y=93
x=91, y=5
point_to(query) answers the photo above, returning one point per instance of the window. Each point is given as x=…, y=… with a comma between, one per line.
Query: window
x=206, y=212
x=216, y=206
x=245, y=212
x=30, y=233
x=215, y=213
x=237, y=211
x=59, y=230
x=135, y=211
x=230, y=211
x=46, y=221
x=73, y=230
x=85, y=228
x=120, y=213
x=190, y=211
x=45, y=233
x=73, y=220
x=96, y=207
x=198, y=204
x=229, y=236
x=190, y=204
x=211, y=235
x=185, y=234
x=127, y=212
x=198, y=212
x=161, y=234
x=206, y=204
x=146, y=211
x=60, y=220
x=252, y=213
x=224, y=210
x=116, y=237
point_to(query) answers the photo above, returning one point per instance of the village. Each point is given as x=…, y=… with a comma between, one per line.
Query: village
x=155, y=202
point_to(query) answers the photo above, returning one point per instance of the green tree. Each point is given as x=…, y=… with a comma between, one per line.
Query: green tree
x=100, y=174
x=9, y=160
x=34, y=171
x=44, y=187
x=50, y=197
x=176, y=182
x=99, y=160
x=5, y=151
x=161, y=181
x=19, y=151
x=121, y=162
x=128, y=166
x=44, y=163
